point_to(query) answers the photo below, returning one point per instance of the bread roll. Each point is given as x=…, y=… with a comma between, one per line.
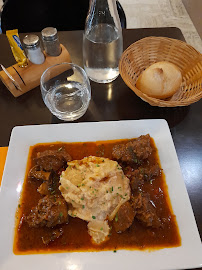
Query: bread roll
x=160, y=80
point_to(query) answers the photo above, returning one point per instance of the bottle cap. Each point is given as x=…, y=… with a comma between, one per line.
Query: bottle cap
x=49, y=33
x=31, y=41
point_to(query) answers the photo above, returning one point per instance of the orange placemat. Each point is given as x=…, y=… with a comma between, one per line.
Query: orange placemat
x=3, y=154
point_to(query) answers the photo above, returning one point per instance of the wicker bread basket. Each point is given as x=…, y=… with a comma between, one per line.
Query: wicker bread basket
x=141, y=54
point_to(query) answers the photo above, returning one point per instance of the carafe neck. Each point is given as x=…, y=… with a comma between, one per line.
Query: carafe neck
x=102, y=12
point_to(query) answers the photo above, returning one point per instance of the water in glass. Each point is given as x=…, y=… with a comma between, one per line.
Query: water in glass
x=70, y=100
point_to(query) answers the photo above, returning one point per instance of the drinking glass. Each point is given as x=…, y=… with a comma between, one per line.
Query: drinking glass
x=66, y=91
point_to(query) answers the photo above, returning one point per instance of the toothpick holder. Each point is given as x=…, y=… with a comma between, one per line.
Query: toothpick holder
x=29, y=77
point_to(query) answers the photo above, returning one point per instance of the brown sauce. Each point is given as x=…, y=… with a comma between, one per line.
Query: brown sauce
x=75, y=235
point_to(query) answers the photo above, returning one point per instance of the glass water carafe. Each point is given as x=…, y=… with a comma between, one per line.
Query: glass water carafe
x=102, y=41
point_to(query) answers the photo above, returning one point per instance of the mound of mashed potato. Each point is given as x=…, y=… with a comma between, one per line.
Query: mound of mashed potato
x=95, y=188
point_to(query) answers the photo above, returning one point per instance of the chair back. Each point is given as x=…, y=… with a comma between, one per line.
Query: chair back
x=33, y=16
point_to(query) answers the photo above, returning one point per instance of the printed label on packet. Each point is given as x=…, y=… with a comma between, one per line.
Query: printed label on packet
x=16, y=47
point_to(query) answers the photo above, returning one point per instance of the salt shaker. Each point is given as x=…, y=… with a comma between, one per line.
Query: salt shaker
x=102, y=41
x=51, y=41
x=33, y=49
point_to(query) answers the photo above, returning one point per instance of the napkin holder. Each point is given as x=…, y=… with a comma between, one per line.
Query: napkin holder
x=29, y=77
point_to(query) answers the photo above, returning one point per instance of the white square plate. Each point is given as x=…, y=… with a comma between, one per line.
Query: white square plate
x=188, y=255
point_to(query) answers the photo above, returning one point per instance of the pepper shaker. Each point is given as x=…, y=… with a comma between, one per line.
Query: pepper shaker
x=33, y=49
x=51, y=41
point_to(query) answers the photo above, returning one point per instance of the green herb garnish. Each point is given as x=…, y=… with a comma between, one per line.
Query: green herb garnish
x=116, y=217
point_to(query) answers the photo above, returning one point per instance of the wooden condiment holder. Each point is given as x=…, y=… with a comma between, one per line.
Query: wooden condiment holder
x=29, y=77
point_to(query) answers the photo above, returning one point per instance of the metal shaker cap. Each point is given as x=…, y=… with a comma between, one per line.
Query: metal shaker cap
x=49, y=33
x=31, y=41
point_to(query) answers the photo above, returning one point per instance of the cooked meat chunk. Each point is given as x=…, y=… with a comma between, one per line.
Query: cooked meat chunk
x=137, y=179
x=43, y=189
x=51, y=236
x=133, y=151
x=150, y=172
x=138, y=176
x=124, y=217
x=38, y=174
x=145, y=211
x=50, y=211
x=51, y=186
x=52, y=159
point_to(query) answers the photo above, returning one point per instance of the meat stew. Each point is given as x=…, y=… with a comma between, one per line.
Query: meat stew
x=144, y=222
